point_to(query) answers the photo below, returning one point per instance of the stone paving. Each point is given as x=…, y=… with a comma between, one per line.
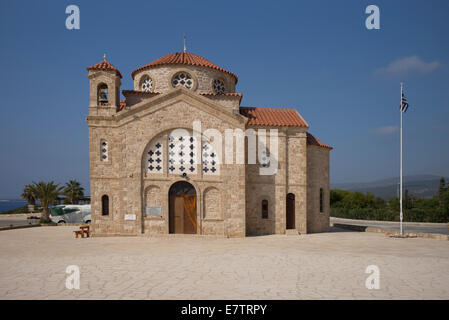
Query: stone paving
x=317, y=266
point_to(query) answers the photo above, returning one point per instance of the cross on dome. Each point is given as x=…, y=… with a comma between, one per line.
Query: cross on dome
x=185, y=48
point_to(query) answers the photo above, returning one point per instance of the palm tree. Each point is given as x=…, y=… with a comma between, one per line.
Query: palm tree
x=46, y=192
x=73, y=191
x=29, y=197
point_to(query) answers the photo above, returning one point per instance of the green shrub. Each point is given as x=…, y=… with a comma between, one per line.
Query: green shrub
x=410, y=215
x=356, y=205
x=365, y=214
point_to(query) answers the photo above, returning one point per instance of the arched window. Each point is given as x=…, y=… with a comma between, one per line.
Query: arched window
x=102, y=94
x=182, y=79
x=178, y=153
x=290, y=211
x=146, y=84
x=104, y=205
x=321, y=200
x=264, y=209
x=219, y=86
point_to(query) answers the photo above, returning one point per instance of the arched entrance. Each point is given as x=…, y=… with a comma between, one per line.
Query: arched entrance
x=290, y=219
x=182, y=208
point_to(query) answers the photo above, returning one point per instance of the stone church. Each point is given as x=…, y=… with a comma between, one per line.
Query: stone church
x=155, y=171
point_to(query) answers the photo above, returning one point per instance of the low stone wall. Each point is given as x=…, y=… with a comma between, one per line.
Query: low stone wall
x=391, y=231
x=21, y=215
x=19, y=227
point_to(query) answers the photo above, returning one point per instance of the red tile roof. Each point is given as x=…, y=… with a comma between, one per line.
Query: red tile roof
x=143, y=93
x=275, y=117
x=315, y=142
x=227, y=94
x=104, y=65
x=185, y=58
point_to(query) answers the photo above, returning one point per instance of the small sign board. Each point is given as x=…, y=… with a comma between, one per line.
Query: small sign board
x=153, y=211
x=130, y=217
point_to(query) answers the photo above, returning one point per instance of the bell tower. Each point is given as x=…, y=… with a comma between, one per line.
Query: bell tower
x=104, y=79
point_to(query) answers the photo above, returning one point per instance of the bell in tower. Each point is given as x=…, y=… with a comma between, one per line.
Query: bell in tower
x=104, y=87
x=103, y=95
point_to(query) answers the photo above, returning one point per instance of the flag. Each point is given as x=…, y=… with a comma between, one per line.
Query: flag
x=404, y=103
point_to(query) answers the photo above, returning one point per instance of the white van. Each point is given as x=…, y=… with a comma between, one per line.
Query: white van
x=72, y=213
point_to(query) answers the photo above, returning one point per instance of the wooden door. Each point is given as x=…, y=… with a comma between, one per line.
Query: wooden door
x=190, y=221
x=171, y=214
x=290, y=223
x=182, y=215
x=179, y=214
x=176, y=218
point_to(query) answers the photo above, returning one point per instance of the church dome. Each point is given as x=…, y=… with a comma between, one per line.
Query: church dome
x=183, y=58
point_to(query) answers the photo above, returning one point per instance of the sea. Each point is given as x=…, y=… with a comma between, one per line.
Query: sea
x=6, y=205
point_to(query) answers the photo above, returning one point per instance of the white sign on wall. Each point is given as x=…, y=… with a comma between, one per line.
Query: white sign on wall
x=130, y=217
x=153, y=211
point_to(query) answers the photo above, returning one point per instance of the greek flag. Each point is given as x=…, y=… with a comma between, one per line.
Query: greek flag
x=404, y=103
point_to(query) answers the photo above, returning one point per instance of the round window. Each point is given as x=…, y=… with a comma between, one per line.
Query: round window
x=219, y=86
x=147, y=84
x=182, y=79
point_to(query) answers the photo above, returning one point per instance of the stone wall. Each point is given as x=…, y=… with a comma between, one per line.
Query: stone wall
x=290, y=177
x=130, y=187
x=228, y=204
x=202, y=76
x=297, y=155
x=317, y=177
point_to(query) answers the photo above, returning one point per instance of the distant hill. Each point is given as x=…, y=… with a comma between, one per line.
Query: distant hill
x=421, y=186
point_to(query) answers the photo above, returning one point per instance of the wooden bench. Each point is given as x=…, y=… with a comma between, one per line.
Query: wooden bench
x=79, y=233
x=83, y=232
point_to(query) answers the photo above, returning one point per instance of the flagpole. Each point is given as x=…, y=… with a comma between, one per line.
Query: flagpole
x=400, y=179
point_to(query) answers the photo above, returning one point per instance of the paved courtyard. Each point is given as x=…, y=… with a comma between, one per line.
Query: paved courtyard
x=318, y=266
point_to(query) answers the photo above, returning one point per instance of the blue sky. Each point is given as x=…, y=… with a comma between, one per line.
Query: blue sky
x=316, y=56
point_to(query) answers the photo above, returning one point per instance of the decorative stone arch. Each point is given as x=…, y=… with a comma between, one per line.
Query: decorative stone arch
x=102, y=76
x=164, y=131
x=172, y=206
x=141, y=76
x=212, y=204
x=193, y=183
x=198, y=191
x=103, y=82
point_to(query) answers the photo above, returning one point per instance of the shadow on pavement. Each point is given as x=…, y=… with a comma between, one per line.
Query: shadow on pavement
x=337, y=229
